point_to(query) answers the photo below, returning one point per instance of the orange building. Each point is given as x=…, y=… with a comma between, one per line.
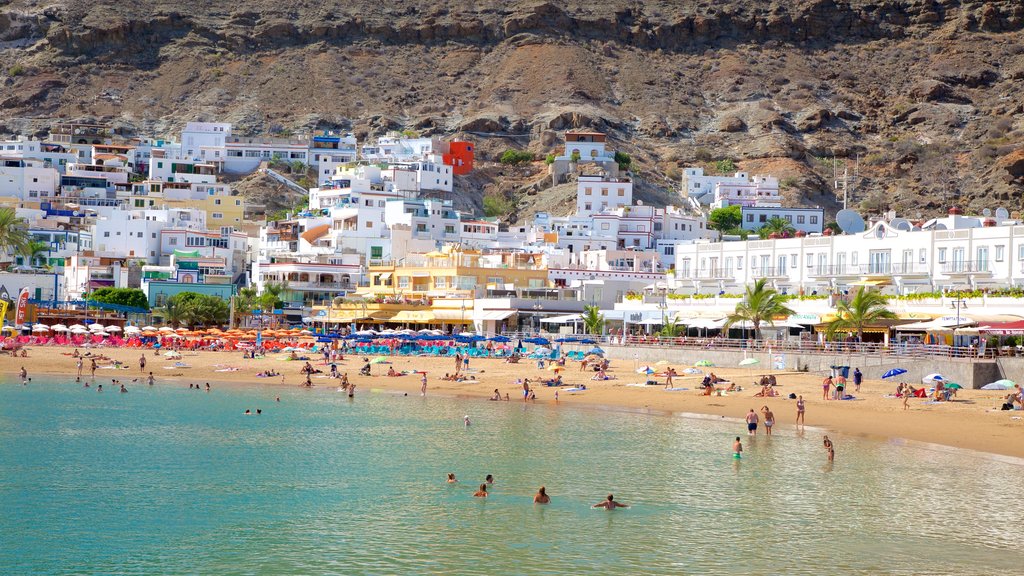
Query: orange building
x=459, y=157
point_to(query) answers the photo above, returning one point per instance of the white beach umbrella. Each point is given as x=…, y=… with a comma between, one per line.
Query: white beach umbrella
x=95, y=327
x=59, y=328
x=149, y=328
x=40, y=328
x=76, y=327
x=181, y=329
x=132, y=329
x=113, y=328
x=166, y=329
x=98, y=333
x=79, y=330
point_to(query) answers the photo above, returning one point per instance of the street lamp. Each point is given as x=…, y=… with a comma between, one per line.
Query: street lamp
x=537, y=307
x=957, y=304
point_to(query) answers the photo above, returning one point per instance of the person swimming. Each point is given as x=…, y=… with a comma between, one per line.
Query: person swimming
x=609, y=503
x=737, y=448
x=489, y=479
x=123, y=389
x=465, y=419
x=451, y=478
x=482, y=492
x=541, y=497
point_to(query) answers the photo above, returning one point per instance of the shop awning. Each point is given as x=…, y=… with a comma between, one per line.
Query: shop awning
x=343, y=316
x=382, y=315
x=453, y=316
x=566, y=319
x=1006, y=329
x=939, y=324
x=414, y=317
x=494, y=315
x=385, y=276
x=870, y=283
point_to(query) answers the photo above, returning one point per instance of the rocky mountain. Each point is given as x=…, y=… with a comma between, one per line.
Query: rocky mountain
x=919, y=100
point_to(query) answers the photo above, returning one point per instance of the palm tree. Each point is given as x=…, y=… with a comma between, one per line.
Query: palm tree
x=13, y=233
x=776, y=225
x=33, y=250
x=670, y=328
x=593, y=320
x=760, y=304
x=867, y=307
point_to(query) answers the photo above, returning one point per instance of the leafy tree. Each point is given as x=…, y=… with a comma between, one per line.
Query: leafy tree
x=776, y=225
x=623, y=160
x=516, y=157
x=121, y=296
x=193, y=309
x=867, y=307
x=593, y=320
x=726, y=218
x=670, y=328
x=496, y=204
x=14, y=236
x=726, y=166
x=760, y=304
x=575, y=156
x=297, y=167
x=249, y=298
x=549, y=159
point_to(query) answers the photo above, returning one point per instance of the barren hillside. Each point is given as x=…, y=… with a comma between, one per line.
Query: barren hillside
x=923, y=97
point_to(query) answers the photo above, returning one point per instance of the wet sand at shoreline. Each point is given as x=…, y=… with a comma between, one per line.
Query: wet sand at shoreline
x=973, y=421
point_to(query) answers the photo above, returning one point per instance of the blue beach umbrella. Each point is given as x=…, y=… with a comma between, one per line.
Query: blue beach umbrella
x=893, y=373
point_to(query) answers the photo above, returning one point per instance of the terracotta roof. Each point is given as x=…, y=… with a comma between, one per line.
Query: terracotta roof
x=315, y=233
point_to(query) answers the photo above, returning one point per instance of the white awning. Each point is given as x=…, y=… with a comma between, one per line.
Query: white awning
x=562, y=319
x=705, y=323
x=935, y=325
x=493, y=315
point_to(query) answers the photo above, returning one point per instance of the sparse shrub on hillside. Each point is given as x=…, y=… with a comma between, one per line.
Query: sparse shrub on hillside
x=702, y=155
x=575, y=157
x=496, y=205
x=549, y=159
x=725, y=166
x=516, y=157
x=787, y=183
x=623, y=160
x=16, y=70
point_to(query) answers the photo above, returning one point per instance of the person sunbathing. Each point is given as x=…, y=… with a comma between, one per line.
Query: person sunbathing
x=391, y=371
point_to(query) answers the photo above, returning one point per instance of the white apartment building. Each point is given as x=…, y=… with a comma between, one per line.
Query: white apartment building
x=596, y=194
x=968, y=253
x=205, y=141
x=720, y=191
x=244, y=153
x=27, y=179
x=395, y=148
x=136, y=233
x=53, y=155
x=807, y=220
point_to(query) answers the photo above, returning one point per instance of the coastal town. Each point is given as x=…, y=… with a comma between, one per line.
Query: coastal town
x=378, y=244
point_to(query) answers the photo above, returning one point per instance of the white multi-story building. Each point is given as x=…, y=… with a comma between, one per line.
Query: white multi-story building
x=956, y=251
x=720, y=191
x=394, y=148
x=136, y=233
x=27, y=178
x=244, y=153
x=596, y=194
x=808, y=220
x=53, y=155
x=205, y=141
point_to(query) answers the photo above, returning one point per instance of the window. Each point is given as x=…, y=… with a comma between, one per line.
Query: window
x=140, y=234
x=809, y=260
x=449, y=229
x=1020, y=252
x=789, y=218
x=923, y=255
x=1000, y=250
x=794, y=260
x=800, y=219
x=854, y=258
x=604, y=191
x=403, y=281
x=814, y=219
x=586, y=206
x=217, y=201
x=750, y=217
x=586, y=191
x=622, y=192
x=172, y=241
x=605, y=226
x=369, y=224
x=440, y=282
x=106, y=234
x=159, y=164
x=153, y=235
x=942, y=255
x=217, y=215
x=670, y=250
x=762, y=218
x=739, y=262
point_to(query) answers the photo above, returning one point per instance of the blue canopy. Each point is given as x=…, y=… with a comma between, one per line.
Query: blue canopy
x=894, y=372
x=537, y=340
x=596, y=350
x=502, y=339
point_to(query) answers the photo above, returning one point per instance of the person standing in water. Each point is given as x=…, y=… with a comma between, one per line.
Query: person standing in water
x=737, y=448
x=423, y=385
x=150, y=379
x=800, y=405
x=769, y=420
x=541, y=497
x=80, y=365
x=752, y=422
x=24, y=376
x=829, y=448
x=609, y=503
x=482, y=492
x=489, y=479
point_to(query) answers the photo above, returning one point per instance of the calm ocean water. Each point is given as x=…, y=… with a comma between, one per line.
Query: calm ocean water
x=167, y=480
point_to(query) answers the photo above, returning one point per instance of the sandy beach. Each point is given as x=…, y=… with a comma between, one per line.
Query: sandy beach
x=972, y=421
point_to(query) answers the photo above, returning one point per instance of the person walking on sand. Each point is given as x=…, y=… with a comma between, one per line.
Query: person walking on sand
x=752, y=422
x=737, y=448
x=458, y=363
x=800, y=406
x=906, y=400
x=858, y=378
x=769, y=420
x=829, y=448
x=609, y=503
x=541, y=497
x=668, y=378
x=826, y=385
x=80, y=365
x=142, y=364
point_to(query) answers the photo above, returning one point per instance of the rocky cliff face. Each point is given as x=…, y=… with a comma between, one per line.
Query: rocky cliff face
x=922, y=99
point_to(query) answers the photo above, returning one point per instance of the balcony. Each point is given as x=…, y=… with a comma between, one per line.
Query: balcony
x=877, y=269
x=963, y=267
x=768, y=272
x=708, y=274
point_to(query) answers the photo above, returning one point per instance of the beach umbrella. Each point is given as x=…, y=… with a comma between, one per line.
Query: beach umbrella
x=692, y=371
x=953, y=385
x=596, y=350
x=95, y=327
x=379, y=360
x=749, y=361
x=40, y=328
x=1003, y=384
x=113, y=328
x=932, y=378
x=704, y=363
x=79, y=330
x=76, y=327
x=556, y=368
x=149, y=328
x=166, y=329
x=892, y=373
x=59, y=328
x=181, y=329
x=645, y=370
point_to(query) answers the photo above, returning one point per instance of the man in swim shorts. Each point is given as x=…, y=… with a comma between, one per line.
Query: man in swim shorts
x=737, y=448
x=752, y=422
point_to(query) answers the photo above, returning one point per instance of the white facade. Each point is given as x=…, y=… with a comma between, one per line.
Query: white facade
x=205, y=140
x=136, y=233
x=809, y=220
x=595, y=194
x=53, y=155
x=759, y=191
x=27, y=179
x=393, y=148
x=896, y=260
x=696, y=185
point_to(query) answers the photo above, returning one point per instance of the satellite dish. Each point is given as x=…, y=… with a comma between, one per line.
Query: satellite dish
x=901, y=224
x=986, y=212
x=850, y=221
x=939, y=226
x=1002, y=214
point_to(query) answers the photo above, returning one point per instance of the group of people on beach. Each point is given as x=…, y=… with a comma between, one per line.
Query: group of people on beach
x=830, y=450
x=541, y=497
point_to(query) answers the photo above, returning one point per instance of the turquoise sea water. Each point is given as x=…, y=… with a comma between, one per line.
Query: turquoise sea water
x=167, y=480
